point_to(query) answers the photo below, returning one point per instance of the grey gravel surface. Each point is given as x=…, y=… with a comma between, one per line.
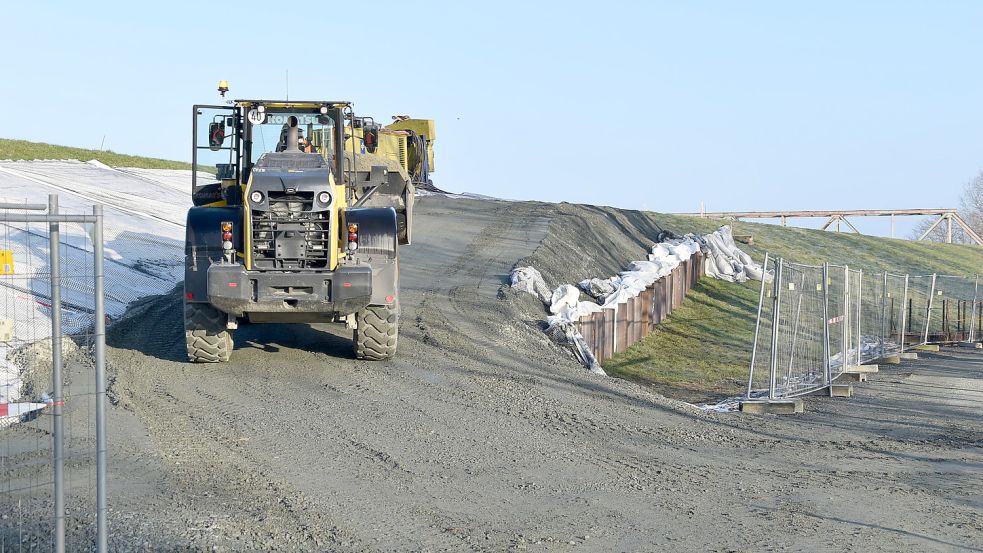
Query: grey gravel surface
x=484, y=436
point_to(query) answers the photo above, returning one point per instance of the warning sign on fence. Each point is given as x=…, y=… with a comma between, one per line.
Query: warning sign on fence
x=835, y=320
x=6, y=262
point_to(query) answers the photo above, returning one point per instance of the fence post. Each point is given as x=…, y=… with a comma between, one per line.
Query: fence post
x=826, y=367
x=904, y=314
x=757, y=323
x=972, y=316
x=860, y=315
x=773, y=369
x=102, y=524
x=58, y=401
x=928, y=309
x=845, y=343
x=884, y=322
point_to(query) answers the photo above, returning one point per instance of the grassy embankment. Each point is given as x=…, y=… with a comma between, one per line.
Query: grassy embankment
x=701, y=352
x=22, y=149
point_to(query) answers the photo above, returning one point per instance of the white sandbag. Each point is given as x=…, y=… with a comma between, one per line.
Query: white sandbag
x=659, y=251
x=599, y=288
x=564, y=299
x=725, y=266
x=530, y=280
x=710, y=266
x=754, y=272
x=726, y=261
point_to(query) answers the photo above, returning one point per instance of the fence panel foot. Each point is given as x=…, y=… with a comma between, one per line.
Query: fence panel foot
x=971, y=345
x=772, y=406
x=926, y=347
x=861, y=369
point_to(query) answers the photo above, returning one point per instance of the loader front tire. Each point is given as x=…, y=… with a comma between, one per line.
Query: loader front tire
x=376, y=330
x=208, y=339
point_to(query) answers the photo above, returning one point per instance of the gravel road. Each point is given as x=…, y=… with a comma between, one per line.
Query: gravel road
x=484, y=436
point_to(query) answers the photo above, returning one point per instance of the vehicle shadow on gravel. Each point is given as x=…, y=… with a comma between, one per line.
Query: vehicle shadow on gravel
x=154, y=326
x=271, y=338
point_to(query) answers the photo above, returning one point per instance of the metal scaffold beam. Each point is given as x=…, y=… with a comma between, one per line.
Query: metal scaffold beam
x=947, y=215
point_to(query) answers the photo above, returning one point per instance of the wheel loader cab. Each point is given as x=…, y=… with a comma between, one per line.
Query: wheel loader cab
x=232, y=139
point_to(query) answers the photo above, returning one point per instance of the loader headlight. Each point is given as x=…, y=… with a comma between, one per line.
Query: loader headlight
x=324, y=198
x=256, y=197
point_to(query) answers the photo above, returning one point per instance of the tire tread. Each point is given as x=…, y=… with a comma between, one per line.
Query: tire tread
x=208, y=340
x=376, y=332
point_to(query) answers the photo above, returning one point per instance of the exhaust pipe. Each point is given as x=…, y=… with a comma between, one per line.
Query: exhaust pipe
x=293, y=138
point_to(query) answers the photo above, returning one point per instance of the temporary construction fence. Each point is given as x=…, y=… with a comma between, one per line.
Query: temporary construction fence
x=790, y=329
x=815, y=323
x=52, y=379
x=611, y=331
x=953, y=312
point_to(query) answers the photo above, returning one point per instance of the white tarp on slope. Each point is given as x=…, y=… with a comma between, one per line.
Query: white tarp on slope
x=530, y=280
x=144, y=244
x=724, y=260
x=565, y=305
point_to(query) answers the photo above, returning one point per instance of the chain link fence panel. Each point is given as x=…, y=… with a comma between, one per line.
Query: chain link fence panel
x=51, y=340
x=952, y=304
x=816, y=323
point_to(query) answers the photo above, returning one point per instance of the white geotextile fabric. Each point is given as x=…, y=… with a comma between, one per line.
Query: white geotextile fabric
x=530, y=280
x=662, y=260
x=726, y=261
x=143, y=234
x=723, y=260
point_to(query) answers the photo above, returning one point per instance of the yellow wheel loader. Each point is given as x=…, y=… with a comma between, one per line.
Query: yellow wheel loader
x=301, y=222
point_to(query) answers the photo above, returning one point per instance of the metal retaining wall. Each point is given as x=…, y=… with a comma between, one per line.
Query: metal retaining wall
x=612, y=331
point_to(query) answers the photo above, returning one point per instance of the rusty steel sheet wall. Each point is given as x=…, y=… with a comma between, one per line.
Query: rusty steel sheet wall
x=612, y=331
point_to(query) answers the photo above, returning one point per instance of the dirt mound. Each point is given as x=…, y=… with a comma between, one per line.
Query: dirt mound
x=35, y=359
x=592, y=241
x=153, y=325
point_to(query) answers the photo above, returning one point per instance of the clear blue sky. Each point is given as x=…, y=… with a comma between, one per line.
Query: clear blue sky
x=656, y=105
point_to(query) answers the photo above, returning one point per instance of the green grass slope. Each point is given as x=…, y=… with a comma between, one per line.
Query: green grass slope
x=22, y=149
x=701, y=352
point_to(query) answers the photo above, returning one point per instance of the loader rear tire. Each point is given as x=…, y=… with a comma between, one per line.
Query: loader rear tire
x=376, y=331
x=208, y=339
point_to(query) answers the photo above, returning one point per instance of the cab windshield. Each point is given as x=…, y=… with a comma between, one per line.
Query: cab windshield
x=270, y=133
